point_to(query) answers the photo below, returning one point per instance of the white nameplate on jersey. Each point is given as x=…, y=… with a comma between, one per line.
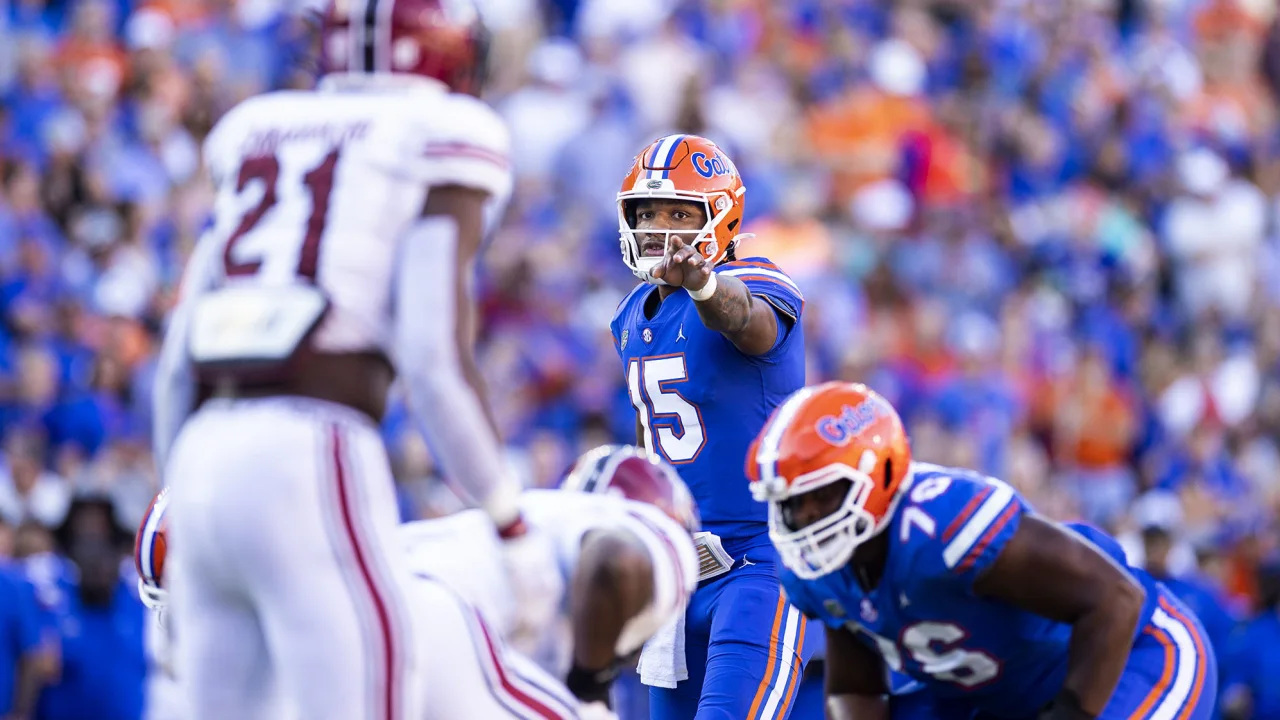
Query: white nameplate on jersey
x=713, y=561
x=254, y=323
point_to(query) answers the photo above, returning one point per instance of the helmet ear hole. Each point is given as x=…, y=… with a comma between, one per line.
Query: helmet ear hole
x=888, y=472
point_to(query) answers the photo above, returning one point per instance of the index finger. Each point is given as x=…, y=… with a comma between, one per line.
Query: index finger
x=674, y=243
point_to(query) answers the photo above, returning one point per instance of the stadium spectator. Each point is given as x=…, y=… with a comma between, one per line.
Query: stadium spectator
x=100, y=623
x=21, y=671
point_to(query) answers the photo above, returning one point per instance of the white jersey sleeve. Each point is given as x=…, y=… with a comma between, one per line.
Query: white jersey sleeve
x=461, y=550
x=464, y=143
x=569, y=516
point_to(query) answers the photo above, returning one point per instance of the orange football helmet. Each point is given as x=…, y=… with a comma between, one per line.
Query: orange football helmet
x=819, y=436
x=682, y=167
x=150, y=547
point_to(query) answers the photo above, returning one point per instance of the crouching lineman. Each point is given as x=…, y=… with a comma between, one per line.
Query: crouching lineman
x=623, y=524
x=471, y=674
x=950, y=578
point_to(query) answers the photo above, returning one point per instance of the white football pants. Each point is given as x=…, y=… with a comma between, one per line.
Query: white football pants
x=287, y=567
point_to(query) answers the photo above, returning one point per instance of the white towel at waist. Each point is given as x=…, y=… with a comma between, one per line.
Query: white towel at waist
x=662, y=661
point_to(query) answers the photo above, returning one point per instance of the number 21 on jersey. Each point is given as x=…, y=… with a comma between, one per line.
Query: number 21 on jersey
x=264, y=170
x=672, y=425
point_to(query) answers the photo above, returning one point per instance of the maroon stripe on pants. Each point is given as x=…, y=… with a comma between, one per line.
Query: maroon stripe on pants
x=523, y=699
x=388, y=701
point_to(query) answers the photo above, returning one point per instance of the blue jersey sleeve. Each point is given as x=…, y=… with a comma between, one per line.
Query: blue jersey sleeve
x=955, y=523
x=768, y=282
x=798, y=595
x=616, y=333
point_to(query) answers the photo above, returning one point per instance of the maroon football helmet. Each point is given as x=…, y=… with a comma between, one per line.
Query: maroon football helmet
x=441, y=39
x=630, y=472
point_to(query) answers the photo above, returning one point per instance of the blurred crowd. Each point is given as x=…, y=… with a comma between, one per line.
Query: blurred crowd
x=1048, y=231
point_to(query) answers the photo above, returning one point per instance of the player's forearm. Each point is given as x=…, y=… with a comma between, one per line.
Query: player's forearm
x=598, y=617
x=451, y=414
x=437, y=366
x=1099, y=648
x=728, y=310
x=613, y=584
x=857, y=707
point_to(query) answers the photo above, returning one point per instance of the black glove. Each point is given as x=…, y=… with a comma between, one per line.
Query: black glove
x=591, y=685
x=1066, y=706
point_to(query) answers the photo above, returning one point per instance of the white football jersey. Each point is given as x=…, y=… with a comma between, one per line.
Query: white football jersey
x=321, y=185
x=463, y=551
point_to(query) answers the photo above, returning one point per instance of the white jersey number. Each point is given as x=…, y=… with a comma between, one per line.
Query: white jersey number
x=932, y=644
x=649, y=380
x=266, y=169
x=969, y=668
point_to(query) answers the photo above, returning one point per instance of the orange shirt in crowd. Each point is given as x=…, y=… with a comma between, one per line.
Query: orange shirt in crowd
x=1105, y=437
x=1224, y=19
x=78, y=58
x=801, y=248
x=858, y=135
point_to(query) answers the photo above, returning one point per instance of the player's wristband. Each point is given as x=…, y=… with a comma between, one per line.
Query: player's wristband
x=503, y=506
x=513, y=529
x=1066, y=706
x=707, y=290
x=591, y=685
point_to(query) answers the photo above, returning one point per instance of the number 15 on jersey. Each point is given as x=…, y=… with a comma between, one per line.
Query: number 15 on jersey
x=667, y=417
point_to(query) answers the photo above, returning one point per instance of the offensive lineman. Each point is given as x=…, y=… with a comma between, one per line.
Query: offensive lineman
x=949, y=578
x=623, y=523
x=347, y=220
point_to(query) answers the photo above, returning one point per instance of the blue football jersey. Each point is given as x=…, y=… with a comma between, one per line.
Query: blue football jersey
x=923, y=617
x=702, y=401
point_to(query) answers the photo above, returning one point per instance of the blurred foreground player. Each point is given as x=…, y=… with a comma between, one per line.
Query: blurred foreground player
x=468, y=673
x=710, y=344
x=347, y=220
x=623, y=524
x=948, y=577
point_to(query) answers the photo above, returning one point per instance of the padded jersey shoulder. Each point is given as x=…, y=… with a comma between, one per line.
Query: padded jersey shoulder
x=951, y=524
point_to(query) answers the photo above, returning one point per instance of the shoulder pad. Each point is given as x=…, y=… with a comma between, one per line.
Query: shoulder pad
x=763, y=278
x=952, y=519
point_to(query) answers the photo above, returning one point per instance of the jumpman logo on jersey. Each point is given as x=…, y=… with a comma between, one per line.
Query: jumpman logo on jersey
x=746, y=562
x=680, y=333
x=903, y=601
